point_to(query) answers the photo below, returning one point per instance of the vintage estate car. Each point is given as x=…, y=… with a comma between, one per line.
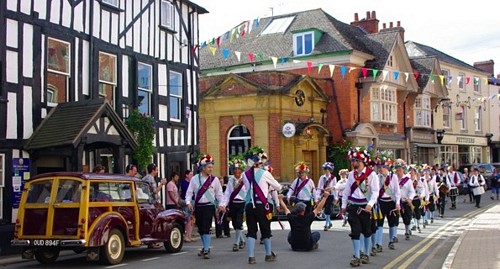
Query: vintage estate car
x=101, y=214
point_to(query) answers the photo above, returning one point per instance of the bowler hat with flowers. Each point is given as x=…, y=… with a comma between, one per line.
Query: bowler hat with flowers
x=301, y=167
x=256, y=155
x=357, y=154
x=237, y=163
x=204, y=160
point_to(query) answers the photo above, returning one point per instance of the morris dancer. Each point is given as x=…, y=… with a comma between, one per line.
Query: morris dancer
x=360, y=194
x=257, y=181
x=453, y=181
x=207, y=192
x=327, y=183
x=389, y=198
x=407, y=193
x=420, y=199
x=443, y=190
x=302, y=188
x=235, y=198
x=433, y=192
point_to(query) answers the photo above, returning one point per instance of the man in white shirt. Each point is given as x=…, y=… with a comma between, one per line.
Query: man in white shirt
x=453, y=181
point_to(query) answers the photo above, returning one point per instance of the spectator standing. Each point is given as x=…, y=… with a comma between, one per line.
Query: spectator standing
x=98, y=169
x=189, y=217
x=173, y=192
x=477, y=182
x=131, y=170
x=152, y=170
x=495, y=184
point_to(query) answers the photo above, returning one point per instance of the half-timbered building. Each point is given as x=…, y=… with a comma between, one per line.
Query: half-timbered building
x=101, y=59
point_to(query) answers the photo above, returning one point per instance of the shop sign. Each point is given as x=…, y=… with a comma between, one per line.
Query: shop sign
x=288, y=130
x=391, y=144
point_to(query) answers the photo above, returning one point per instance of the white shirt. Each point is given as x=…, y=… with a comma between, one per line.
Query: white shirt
x=306, y=193
x=340, y=187
x=422, y=189
x=474, y=181
x=215, y=190
x=372, y=188
x=265, y=181
x=392, y=191
x=450, y=180
x=407, y=190
x=432, y=188
x=321, y=185
x=231, y=185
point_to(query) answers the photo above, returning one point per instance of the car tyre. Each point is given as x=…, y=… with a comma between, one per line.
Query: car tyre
x=46, y=256
x=175, y=240
x=321, y=215
x=113, y=251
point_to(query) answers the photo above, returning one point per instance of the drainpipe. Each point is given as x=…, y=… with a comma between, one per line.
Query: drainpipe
x=91, y=49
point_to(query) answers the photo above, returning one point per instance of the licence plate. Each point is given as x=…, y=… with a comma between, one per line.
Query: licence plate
x=45, y=243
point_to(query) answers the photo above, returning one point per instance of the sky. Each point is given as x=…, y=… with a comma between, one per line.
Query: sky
x=468, y=31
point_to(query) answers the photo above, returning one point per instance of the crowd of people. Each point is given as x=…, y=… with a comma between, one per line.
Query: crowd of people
x=375, y=189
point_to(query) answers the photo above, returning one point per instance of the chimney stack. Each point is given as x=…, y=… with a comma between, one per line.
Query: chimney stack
x=369, y=24
x=486, y=66
x=390, y=24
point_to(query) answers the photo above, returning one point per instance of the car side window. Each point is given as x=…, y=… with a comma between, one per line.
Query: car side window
x=143, y=192
x=69, y=191
x=39, y=192
x=110, y=192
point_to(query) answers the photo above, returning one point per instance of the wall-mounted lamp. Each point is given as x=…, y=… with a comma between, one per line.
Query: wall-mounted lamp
x=188, y=112
x=463, y=103
x=440, y=135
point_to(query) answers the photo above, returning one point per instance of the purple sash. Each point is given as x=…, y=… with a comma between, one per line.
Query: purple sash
x=386, y=184
x=300, y=187
x=403, y=181
x=203, y=188
x=260, y=194
x=235, y=192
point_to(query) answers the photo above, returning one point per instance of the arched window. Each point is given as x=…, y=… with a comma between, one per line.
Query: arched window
x=238, y=140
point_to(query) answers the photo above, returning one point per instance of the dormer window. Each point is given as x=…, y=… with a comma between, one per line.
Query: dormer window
x=303, y=43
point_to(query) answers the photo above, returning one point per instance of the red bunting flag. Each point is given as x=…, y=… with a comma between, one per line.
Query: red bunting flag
x=364, y=70
x=251, y=57
x=194, y=48
x=218, y=42
x=467, y=80
x=309, y=66
x=415, y=74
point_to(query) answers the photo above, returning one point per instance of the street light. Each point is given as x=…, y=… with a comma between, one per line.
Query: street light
x=439, y=135
x=489, y=136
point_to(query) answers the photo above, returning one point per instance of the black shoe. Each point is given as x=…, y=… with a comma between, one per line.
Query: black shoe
x=206, y=254
x=391, y=245
x=419, y=231
x=228, y=235
x=365, y=259
x=432, y=221
x=315, y=246
x=373, y=252
x=414, y=228
x=261, y=241
x=271, y=258
x=378, y=248
x=355, y=262
x=235, y=247
x=251, y=260
x=330, y=225
x=395, y=239
x=407, y=236
x=325, y=228
x=242, y=245
x=219, y=236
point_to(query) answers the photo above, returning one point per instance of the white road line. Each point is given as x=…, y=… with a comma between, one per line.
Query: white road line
x=180, y=253
x=117, y=265
x=150, y=259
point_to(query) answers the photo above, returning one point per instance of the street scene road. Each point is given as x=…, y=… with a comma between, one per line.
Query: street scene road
x=443, y=244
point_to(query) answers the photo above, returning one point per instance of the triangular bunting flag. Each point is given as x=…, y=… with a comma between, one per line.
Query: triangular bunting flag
x=193, y=49
x=319, y=68
x=450, y=78
x=225, y=53
x=407, y=75
x=284, y=60
x=459, y=80
x=309, y=66
x=432, y=77
x=374, y=73
x=275, y=60
x=251, y=57
x=260, y=56
x=204, y=44
x=296, y=61
x=364, y=71
x=467, y=80
x=441, y=77
x=332, y=68
x=351, y=69
x=213, y=50
x=396, y=75
x=232, y=35
x=218, y=42
x=384, y=74
x=415, y=74
x=343, y=70
x=238, y=55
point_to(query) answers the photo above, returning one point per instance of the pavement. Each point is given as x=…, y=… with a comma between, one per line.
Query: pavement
x=479, y=245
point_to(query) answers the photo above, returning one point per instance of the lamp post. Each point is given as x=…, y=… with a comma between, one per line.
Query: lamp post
x=488, y=138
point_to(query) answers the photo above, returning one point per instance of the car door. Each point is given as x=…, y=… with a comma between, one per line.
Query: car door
x=147, y=209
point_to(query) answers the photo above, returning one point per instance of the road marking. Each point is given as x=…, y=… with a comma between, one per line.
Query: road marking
x=117, y=265
x=179, y=253
x=150, y=259
x=423, y=245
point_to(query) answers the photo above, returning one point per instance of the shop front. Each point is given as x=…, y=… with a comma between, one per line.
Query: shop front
x=392, y=146
x=424, y=147
x=458, y=150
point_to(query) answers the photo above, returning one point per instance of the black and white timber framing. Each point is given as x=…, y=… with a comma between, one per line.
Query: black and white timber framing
x=131, y=31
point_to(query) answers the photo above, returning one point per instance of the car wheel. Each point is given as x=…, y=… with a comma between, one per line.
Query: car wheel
x=46, y=256
x=176, y=239
x=112, y=252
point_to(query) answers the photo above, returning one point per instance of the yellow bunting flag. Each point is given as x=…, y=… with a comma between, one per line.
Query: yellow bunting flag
x=212, y=50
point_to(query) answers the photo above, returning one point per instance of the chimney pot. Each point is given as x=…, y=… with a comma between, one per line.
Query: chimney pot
x=399, y=23
x=383, y=25
x=356, y=18
x=368, y=15
x=390, y=24
x=374, y=15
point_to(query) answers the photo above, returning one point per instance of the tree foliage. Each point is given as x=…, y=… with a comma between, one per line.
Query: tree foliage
x=337, y=154
x=143, y=129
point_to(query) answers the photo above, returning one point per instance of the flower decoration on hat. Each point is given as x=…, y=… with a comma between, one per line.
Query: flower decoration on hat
x=386, y=162
x=328, y=165
x=256, y=154
x=204, y=160
x=399, y=163
x=426, y=168
x=237, y=162
x=301, y=167
x=360, y=155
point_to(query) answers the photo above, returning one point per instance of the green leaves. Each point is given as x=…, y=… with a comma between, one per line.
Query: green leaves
x=143, y=129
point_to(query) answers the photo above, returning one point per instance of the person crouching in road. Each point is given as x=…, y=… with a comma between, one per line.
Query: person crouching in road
x=207, y=192
x=300, y=236
x=360, y=194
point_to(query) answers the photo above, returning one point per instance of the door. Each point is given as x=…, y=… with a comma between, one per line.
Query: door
x=311, y=162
